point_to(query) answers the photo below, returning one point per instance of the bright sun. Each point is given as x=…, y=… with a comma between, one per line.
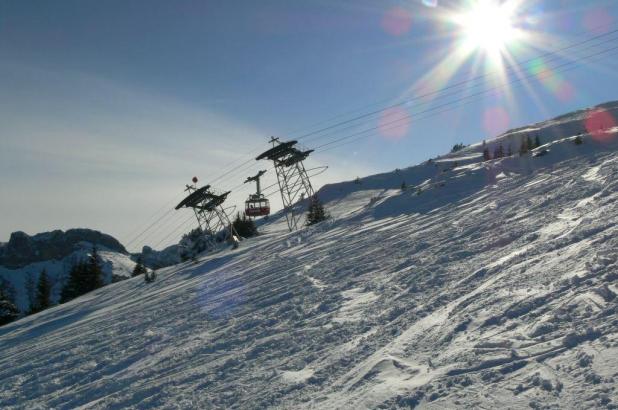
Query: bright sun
x=487, y=26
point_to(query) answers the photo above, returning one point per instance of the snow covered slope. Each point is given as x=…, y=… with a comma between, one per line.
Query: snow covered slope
x=482, y=285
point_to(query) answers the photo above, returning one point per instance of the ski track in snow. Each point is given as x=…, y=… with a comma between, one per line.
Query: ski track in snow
x=482, y=293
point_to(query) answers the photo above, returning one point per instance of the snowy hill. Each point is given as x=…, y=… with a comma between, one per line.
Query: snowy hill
x=482, y=285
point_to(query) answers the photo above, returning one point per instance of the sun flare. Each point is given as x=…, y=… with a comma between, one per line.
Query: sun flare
x=488, y=27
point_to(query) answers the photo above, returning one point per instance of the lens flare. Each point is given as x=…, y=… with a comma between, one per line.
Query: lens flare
x=496, y=120
x=565, y=91
x=222, y=300
x=598, y=21
x=553, y=81
x=394, y=123
x=397, y=21
x=598, y=123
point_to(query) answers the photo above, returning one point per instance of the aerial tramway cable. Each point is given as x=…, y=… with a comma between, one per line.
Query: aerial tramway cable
x=330, y=143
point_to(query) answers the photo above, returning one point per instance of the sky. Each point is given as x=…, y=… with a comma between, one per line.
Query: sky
x=108, y=108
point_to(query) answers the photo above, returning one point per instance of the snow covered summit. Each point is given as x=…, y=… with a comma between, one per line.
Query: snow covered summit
x=482, y=284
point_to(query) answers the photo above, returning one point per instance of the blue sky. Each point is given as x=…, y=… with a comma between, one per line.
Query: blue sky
x=109, y=107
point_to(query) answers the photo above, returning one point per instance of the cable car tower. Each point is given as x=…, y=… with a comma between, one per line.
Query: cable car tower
x=257, y=204
x=208, y=208
x=292, y=177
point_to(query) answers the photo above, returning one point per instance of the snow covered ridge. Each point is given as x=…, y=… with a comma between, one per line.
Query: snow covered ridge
x=23, y=249
x=24, y=257
x=113, y=264
x=481, y=285
x=564, y=126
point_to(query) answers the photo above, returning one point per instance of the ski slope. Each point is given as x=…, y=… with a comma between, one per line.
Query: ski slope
x=482, y=285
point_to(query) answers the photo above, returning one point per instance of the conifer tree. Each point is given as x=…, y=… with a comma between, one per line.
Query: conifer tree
x=529, y=143
x=93, y=273
x=316, y=212
x=8, y=311
x=486, y=155
x=499, y=152
x=404, y=186
x=43, y=293
x=523, y=148
x=537, y=141
x=30, y=287
x=85, y=276
x=139, y=268
x=8, y=290
x=578, y=140
x=150, y=277
x=192, y=244
x=244, y=226
x=8, y=308
x=73, y=288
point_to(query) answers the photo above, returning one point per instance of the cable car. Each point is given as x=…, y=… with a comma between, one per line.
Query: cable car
x=257, y=204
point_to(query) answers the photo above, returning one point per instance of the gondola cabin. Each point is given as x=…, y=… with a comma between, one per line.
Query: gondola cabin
x=257, y=206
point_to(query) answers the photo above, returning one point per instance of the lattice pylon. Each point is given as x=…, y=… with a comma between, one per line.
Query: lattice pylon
x=211, y=216
x=292, y=178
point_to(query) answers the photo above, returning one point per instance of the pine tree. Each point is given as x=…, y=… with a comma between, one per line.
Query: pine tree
x=244, y=226
x=537, y=142
x=486, y=155
x=499, y=152
x=139, y=268
x=73, y=288
x=523, y=148
x=8, y=308
x=316, y=211
x=30, y=287
x=8, y=312
x=43, y=293
x=150, y=277
x=404, y=186
x=529, y=143
x=93, y=273
x=192, y=244
x=578, y=140
x=85, y=276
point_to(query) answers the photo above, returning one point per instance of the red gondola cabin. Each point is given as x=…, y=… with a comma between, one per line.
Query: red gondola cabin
x=257, y=206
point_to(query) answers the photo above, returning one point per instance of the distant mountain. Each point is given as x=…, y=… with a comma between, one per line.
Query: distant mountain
x=160, y=259
x=23, y=249
x=24, y=257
